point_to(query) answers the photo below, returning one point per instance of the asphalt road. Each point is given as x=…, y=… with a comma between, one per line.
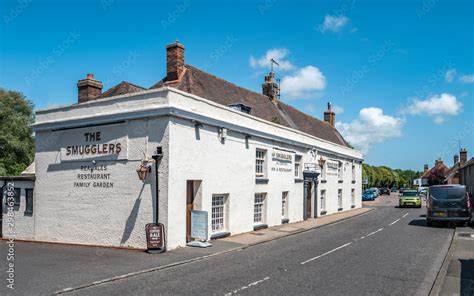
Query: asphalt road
x=389, y=251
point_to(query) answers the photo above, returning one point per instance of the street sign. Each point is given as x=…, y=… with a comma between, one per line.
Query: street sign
x=155, y=238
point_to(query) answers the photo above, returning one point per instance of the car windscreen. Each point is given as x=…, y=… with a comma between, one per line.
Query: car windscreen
x=410, y=193
x=455, y=192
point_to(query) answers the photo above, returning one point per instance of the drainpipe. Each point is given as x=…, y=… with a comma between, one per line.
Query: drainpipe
x=157, y=157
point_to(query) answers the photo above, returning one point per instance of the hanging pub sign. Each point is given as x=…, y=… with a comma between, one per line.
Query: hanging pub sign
x=155, y=238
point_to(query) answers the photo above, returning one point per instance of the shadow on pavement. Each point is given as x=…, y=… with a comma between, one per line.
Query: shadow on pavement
x=467, y=277
x=423, y=216
x=418, y=222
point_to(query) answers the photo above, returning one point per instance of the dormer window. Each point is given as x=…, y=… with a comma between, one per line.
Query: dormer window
x=241, y=107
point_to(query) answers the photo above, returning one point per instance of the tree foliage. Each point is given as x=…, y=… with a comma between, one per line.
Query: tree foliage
x=382, y=176
x=16, y=138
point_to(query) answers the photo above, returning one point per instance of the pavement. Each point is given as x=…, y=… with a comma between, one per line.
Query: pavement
x=43, y=268
x=456, y=276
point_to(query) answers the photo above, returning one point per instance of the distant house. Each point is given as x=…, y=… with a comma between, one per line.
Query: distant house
x=439, y=169
x=466, y=173
x=453, y=175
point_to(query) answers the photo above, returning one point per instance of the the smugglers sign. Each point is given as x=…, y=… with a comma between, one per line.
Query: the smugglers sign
x=282, y=161
x=101, y=143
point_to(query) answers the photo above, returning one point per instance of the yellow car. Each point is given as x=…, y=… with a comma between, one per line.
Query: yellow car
x=410, y=198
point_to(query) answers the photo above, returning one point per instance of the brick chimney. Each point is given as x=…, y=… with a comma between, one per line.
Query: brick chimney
x=88, y=89
x=456, y=158
x=438, y=161
x=270, y=87
x=174, y=61
x=329, y=116
x=463, y=155
x=425, y=168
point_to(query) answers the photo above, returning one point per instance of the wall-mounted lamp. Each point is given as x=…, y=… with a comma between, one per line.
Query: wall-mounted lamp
x=143, y=171
x=321, y=162
x=222, y=133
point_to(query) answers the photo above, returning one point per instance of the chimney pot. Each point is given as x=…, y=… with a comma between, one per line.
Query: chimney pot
x=425, y=168
x=88, y=89
x=174, y=61
x=463, y=156
x=329, y=115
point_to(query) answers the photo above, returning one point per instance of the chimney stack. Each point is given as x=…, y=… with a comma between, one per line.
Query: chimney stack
x=174, y=61
x=425, y=168
x=88, y=89
x=456, y=158
x=329, y=115
x=463, y=156
x=439, y=160
x=270, y=87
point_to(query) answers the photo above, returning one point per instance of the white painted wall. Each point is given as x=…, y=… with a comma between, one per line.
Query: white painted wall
x=117, y=216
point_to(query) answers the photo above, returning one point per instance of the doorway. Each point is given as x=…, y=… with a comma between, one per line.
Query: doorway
x=189, y=207
x=309, y=207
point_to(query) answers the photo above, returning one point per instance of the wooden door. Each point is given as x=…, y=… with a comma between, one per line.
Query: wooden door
x=189, y=207
x=308, y=199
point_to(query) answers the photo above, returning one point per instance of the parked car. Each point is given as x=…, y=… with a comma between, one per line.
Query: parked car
x=368, y=195
x=410, y=198
x=394, y=189
x=384, y=190
x=400, y=191
x=375, y=190
x=448, y=203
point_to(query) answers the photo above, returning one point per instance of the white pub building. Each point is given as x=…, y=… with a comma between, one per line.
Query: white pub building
x=247, y=159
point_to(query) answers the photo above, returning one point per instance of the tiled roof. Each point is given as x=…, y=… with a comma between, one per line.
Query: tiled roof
x=438, y=165
x=122, y=88
x=213, y=88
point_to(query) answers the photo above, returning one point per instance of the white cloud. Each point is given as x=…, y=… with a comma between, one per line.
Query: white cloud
x=337, y=109
x=304, y=83
x=437, y=106
x=333, y=23
x=371, y=127
x=449, y=76
x=278, y=54
x=467, y=78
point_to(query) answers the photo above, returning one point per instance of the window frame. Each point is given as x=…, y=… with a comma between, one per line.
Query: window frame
x=259, y=205
x=28, y=205
x=323, y=200
x=284, y=204
x=353, y=172
x=260, y=162
x=339, y=198
x=298, y=166
x=353, y=202
x=220, y=220
x=339, y=171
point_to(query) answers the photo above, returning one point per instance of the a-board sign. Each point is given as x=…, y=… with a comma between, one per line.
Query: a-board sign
x=155, y=236
x=199, y=225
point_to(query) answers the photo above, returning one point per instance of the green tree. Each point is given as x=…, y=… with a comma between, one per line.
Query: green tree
x=382, y=176
x=16, y=138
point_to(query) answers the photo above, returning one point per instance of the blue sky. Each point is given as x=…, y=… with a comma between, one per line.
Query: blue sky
x=400, y=74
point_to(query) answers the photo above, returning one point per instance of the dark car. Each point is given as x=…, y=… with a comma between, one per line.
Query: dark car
x=384, y=190
x=448, y=203
x=394, y=189
x=368, y=195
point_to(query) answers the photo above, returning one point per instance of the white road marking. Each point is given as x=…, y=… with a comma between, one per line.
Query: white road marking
x=327, y=253
x=362, y=237
x=394, y=222
x=372, y=233
x=405, y=215
x=248, y=286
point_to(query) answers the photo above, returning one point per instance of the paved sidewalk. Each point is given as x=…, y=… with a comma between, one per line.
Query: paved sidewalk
x=456, y=276
x=268, y=234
